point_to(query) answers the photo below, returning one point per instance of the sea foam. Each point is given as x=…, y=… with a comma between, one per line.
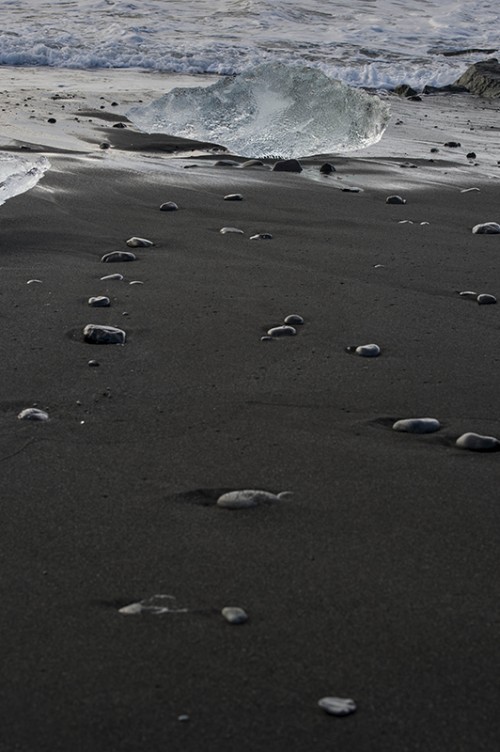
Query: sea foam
x=272, y=110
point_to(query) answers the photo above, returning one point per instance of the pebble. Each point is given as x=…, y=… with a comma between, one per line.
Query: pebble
x=468, y=294
x=33, y=413
x=294, y=318
x=118, y=277
x=93, y=363
x=266, y=338
x=136, y=282
x=183, y=717
x=139, y=243
x=226, y=230
x=97, y=334
x=351, y=189
x=468, y=190
x=417, y=425
x=395, y=200
x=287, y=165
x=233, y=197
x=338, y=706
x=234, y=615
x=262, y=236
x=477, y=443
x=99, y=301
x=282, y=331
x=366, y=351
x=486, y=228
x=249, y=498
x=471, y=155
x=327, y=168
x=485, y=299
x=453, y=144
x=34, y=281
x=169, y=206
x=157, y=604
x=116, y=256
x=226, y=163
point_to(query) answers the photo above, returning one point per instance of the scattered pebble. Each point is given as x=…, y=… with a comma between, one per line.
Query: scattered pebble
x=468, y=294
x=338, y=706
x=139, y=243
x=262, y=236
x=157, y=604
x=226, y=230
x=395, y=200
x=417, y=425
x=453, y=144
x=116, y=256
x=288, y=165
x=104, y=145
x=487, y=228
x=249, y=498
x=233, y=197
x=282, y=331
x=93, y=363
x=366, y=351
x=477, y=443
x=51, y=120
x=117, y=276
x=183, y=718
x=33, y=413
x=405, y=222
x=351, y=189
x=266, y=338
x=136, y=282
x=97, y=334
x=327, y=168
x=99, y=301
x=169, y=206
x=294, y=318
x=34, y=281
x=468, y=190
x=471, y=155
x=234, y=615
x=485, y=299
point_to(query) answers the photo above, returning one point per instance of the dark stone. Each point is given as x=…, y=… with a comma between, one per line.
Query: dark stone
x=395, y=200
x=448, y=89
x=453, y=144
x=226, y=163
x=482, y=78
x=403, y=90
x=119, y=125
x=288, y=165
x=471, y=155
x=118, y=256
x=233, y=197
x=169, y=206
x=51, y=120
x=434, y=150
x=104, y=145
x=327, y=168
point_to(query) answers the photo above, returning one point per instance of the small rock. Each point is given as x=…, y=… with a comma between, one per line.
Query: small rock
x=118, y=256
x=477, y=443
x=169, y=206
x=468, y=190
x=233, y=197
x=395, y=200
x=417, y=425
x=183, y=718
x=471, y=155
x=93, y=363
x=119, y=125
x=118, y=277
x=287, y=165
x=468, y=294
x=262, y=236
x=294, y=319
x=249, y=498
x=338, y=706
x=104, y=145
x=97, y=334
x=434, y=150
x=33, y=413
x=282, y=331
x=486, y=228
x=327, y=168
x=453, y=144
x=226, y=163
x=485, y=299
x=139, y=243
x=226, y=230
x=136, y=282
x=351, y=189
x=234, y=615
x=34, y=282
x=366, y=351
x=266, y=338
x=99, y=301
x=253, y=163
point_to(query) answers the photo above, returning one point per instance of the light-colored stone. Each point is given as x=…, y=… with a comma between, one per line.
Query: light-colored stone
x=99, y=301
x=33, y=413
x=118, y=257
x=338, y=706
x=417, y=425
x=247, y=498
x=97, y=334
x=477, y=443
x=139, y=243
x=282, y=331
x=233, y=230
x=234, y=614
x=486, y=228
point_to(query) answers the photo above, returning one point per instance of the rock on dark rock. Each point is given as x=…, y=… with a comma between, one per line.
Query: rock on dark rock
x=482, y=78
x=288, y=165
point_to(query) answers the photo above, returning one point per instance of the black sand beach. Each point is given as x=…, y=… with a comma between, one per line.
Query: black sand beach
x=376, y=582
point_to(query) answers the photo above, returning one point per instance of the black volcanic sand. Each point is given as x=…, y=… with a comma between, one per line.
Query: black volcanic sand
x=378, y=581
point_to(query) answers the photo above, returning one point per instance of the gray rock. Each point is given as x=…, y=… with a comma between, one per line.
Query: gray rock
x=337, y=705
x=288, y=165
x=404, y=90
x=33, y=413
x=395, y=200
x=233, y=197
x=139, y=243
x=417, y=425
x=97, y=334
x=486, y=228
x=169, y=206
x=485, y=299
x=282, y=331
x=477, y=443
x=234, y=615
x=99, y=301
x=118, y=256
x=482, y=78
x=294, y=319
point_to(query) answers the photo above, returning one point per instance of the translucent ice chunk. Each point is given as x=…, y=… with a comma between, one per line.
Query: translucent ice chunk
x=271, y=110
x=19, y=174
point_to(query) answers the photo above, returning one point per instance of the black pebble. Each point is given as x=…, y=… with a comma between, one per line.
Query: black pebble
x=288, y=165
x=119, y=125
x=471, y=155
x=104, y=145
x=51, y=120
x=327, y=168
x=453, y=144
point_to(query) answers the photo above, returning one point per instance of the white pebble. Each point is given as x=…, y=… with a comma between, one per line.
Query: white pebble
x=337, y=705
x=468, y=190
x=485, y=299
x=261, y=236
x=34, y=281
x=282, y=331
x=107, y=277
x=236, y=230
x=233, y=197
x=234, y=615
x=487, y=228
x=351, y=189
x=249, y=498
x=468, y=294
x=156, y=604
x=366, y=351
x=33, y=413
x=417, y=425
x=97, y=334
x=405, y=222
x=139, y=242
x=476, y=442
x=99, y=301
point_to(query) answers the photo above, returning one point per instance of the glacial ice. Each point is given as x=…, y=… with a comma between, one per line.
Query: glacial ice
x=272, y=110
x=19, y=174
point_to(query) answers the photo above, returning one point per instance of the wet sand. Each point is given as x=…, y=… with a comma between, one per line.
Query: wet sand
x=376, y=582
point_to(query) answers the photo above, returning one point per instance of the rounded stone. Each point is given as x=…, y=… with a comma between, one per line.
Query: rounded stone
x=33, y=413
x=234, y=614
x=339, y=706
x=118, y=256
x=327, y=168
x=288, y=165
x=99, y=301
x=233, y=197
x=234, y=230
x=417, y=425
x=93, y=363
x=366, y=351
x=169, y=206
x=486, y=228
x=477, y=443
x=248, y=497
x=117, y=277
x=282, y=331
x=262, y=236
x=294, y=319
x=469, y=294
x=139, y=242
x=97, y=334
x=485, y=299
x=395, y=200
